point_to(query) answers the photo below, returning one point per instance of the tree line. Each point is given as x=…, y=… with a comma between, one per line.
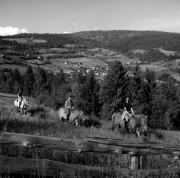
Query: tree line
x=127, y=40
x=119, y=40
x=159, y=98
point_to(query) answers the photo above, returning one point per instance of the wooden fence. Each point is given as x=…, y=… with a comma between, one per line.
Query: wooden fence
x=44, y=167
x=91, y=144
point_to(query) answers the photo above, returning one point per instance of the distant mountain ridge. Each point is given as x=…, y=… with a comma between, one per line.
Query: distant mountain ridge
x=126, y=40
x=119, y=40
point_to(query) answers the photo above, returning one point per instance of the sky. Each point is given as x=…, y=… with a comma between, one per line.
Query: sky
x=67, y=16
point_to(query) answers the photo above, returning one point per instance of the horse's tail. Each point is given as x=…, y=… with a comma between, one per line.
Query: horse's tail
x=27, y=101
x=16, y=102
x=114, y=123
x=60, y=113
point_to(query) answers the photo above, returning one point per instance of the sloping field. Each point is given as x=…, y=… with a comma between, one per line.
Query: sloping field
x=26, y=40
x=88, y=62
x=7, y=100
x=173, y=65
x=167, y=52
x=155, y=68
x=22, y=68
x=47, y=146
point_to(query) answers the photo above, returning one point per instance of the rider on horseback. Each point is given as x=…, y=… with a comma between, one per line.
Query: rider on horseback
x=69, y=105
x=128, y=111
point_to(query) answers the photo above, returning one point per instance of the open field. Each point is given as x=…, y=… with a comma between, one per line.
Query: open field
x=22, y=68
x=71, y=59
x=26, y=40
x=173, y=65
x=153, y=67
x=167, y=52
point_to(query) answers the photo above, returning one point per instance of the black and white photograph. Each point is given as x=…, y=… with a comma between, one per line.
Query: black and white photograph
x=90, y=88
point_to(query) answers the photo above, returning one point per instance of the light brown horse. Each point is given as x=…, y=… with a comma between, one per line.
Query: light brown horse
x=72, y=117
x=138, y=124
x=132, y=123
x=117, y=121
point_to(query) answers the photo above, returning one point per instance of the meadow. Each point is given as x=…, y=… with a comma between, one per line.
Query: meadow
x=49, y=158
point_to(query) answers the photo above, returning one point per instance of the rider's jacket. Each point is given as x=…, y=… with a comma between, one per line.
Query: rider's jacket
x=128, y=106
x=20, y=94
x=69, y=104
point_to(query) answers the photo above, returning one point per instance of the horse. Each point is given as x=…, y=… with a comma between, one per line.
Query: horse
x=21, y=107
x=138, y=123
x=132, y=123
x=117, y=121
x=72, y=117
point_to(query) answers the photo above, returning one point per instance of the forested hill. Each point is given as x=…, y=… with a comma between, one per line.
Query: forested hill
x=120, y=40
x=47, y=40
x=124, y=41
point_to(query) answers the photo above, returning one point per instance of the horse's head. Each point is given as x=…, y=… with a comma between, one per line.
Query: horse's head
x=25, y=102
x=128, y=116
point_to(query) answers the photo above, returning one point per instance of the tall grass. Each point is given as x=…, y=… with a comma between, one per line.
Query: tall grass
x=45, y=122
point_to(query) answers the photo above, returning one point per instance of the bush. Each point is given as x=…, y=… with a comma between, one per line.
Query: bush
x=35, y=110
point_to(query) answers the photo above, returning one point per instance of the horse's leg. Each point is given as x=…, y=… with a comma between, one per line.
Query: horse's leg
x=113, y=126
x=138, y=132
x=25, y=111
x=21, y=111
x=116, y=124
x=62, y=119
x=68, y=115
x=76, y=123
x=17, y=111
x=124, y=127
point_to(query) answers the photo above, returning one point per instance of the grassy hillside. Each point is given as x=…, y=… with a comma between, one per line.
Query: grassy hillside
x=44, y=121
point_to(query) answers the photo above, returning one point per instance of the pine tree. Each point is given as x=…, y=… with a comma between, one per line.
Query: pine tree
x=169, y=89
x=16, y=87
x=79, y=78
x=29, y=81
x=18, y=82
x=89, y=99
x=49, y=86
x=136, y=83
x=60, y=96
x=41, y=81
x=17, y=76
x=10, y=82
x=115, y=87
x=10, y=86
x=2, y=80
x=59, y=79
x=149, y=86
